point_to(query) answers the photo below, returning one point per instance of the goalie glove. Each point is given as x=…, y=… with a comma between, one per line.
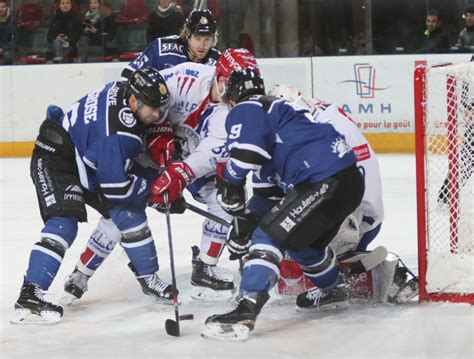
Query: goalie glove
x=160, y=142
x=238, y=238
x=173, y=181
x=231, y=197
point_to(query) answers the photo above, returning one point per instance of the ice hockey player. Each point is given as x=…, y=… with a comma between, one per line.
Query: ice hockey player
x=388, y=279
x=82, y=157
x=316, y=169
x=195, y=43
x=197, y=118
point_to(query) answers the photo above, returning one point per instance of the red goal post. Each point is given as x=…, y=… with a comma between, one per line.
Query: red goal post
x=444, y=131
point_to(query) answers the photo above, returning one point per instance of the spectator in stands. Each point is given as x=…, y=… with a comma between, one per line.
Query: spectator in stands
x=166, y=20
x=64, y=31
x=436, y=39
x=92, y=16
x=98, y=41
x=7, y=30
x=466, y=36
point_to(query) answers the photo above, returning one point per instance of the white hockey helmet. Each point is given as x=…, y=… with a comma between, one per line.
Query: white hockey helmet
x=291, y=94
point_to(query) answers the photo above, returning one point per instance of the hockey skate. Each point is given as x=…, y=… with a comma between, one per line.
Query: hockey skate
x=323, y=299
x=402, y=289
x=75, y=285
x=152, y=285
x=209, y=282
x=235, y=325
x=31, y=308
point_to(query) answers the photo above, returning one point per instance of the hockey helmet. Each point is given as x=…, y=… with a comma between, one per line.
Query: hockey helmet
x=200, y=22
x=149, y=87
x=243, y=83
x=235, y=59
x=291, y=94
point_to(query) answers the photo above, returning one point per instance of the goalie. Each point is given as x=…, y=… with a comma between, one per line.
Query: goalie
x=382, y=278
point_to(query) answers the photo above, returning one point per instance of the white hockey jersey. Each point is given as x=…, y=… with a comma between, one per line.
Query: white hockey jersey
x=198, y=124
x=371, y=212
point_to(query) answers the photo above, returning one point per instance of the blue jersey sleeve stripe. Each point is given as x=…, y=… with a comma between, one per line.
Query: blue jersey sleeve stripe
x=245, y=165
x=128, y=134
x=248, y=156
x=115, y=191
x=250, y=147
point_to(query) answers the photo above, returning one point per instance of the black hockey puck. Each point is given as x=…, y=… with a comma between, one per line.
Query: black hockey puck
x=186, y=317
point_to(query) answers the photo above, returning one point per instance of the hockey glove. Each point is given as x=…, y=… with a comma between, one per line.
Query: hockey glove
x=231, y=198
x=238, y=238
x=160, y=142
x=173, y=181
x=177, y=207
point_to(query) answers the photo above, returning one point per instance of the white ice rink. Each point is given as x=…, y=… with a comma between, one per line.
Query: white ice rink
x=115, y=320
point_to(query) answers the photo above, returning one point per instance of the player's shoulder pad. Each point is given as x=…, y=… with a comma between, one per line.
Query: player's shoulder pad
x=171, y=45
x=121, y=120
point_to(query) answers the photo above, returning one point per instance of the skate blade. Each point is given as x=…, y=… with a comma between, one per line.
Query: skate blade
x=324, y=308
x=211, y=295
x=26, y=317
x=225, y=332
x=67, y=299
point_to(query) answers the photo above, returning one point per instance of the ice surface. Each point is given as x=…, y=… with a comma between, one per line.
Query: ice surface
x=114, y=319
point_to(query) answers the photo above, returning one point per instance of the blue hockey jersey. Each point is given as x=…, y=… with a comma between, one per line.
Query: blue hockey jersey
x=282, y=144
x=107, y=138
x=165, y=52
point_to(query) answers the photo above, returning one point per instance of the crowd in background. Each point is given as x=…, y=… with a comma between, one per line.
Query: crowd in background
x=47, y=31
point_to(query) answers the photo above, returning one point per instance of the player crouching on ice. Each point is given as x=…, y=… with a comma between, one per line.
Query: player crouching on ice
x=83, y=157
x=315, y=168
x=381, y=277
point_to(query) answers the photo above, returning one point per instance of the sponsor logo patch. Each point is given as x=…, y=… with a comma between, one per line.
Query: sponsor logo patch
x=287, y=224
x=50, y=200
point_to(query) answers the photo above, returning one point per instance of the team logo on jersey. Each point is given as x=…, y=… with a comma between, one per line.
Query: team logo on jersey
x=126, y=117
x=186, y=140
x=340, y=147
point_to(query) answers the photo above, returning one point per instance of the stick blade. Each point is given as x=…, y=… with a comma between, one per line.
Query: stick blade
x=172, y=328
x=225, y=332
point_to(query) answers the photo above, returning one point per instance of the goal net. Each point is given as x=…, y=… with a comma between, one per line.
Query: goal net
x=444, y=111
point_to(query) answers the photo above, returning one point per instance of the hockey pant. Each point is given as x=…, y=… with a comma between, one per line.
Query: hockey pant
x=61, y=198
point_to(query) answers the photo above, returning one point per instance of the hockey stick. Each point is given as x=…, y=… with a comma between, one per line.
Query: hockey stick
x=216, y=219
x=172, y=326
x=208, y=215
